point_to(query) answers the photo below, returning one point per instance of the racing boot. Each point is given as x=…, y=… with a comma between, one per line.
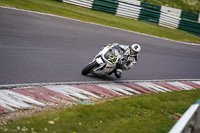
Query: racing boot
x=110, y=73
x=118, y=73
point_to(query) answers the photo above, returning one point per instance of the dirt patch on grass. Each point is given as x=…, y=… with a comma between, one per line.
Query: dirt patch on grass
x=176, y=117
x=7, y=117
x=190, y=2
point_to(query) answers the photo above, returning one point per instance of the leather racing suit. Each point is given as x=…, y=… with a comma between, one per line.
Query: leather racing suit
x=127, y=61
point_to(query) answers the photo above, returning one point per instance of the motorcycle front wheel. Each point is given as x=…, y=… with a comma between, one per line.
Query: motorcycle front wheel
x=89, y=68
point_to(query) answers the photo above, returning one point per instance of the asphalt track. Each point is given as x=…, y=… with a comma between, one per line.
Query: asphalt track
x=38, y=48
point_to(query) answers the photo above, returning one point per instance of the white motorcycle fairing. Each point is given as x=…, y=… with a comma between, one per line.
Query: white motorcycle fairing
x=107, y=60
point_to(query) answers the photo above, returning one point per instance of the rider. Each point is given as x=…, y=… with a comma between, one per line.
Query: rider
x=129, y=57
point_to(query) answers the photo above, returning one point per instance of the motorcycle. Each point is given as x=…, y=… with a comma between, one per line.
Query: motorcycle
x=105, y=62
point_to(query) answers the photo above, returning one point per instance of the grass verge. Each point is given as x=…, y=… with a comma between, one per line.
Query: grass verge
x=155, y=113
x=71, y=11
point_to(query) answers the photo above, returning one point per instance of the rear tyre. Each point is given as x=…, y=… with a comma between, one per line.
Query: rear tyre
x=89, y=68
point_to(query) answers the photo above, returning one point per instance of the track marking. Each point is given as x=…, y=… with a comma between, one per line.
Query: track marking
x=12, y=97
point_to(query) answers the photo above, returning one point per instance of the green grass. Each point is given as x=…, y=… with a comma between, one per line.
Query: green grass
x=187, y=5
x=154, y=113
x=71, y=11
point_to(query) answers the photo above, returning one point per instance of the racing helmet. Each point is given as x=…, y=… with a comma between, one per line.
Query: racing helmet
x=135, y=49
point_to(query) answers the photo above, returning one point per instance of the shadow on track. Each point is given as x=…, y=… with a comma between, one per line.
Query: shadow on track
x=102, y=78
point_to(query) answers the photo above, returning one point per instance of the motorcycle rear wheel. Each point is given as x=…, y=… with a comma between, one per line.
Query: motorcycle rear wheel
x=89, y=68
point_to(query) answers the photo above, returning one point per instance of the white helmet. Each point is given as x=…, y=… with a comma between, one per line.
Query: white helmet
x=135, y=49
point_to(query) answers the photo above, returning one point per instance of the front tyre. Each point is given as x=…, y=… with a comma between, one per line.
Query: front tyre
x=89, y=68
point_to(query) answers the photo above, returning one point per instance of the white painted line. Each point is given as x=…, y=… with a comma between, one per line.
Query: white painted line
x=114, y=88
x=10, y=104
x=23, y=98
x=2, y=103
x=80, y=91
x=10, y=100
x=31, y=85
x=66, y=93
x=125, y=88
x=71, y=91
x=160, y=87
x=181, y=85
x=195, y=44
x=151, y=86
x=197, y=82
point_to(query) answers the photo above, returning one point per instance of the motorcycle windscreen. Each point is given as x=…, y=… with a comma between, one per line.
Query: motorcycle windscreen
x=110, y=56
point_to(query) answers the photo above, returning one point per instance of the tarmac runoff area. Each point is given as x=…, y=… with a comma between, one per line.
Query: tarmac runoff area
x=21, y=100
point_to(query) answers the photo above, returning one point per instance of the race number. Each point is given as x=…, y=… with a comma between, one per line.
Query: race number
x=112, y=58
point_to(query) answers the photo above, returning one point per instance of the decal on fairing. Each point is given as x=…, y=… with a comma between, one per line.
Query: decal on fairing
x=112, y=58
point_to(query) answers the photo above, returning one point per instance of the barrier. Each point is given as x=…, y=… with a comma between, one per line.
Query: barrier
x=188, y=122
x=189, y=26
x=171, y=11
x=83, y=3
x=189, y=15
x=169, y=21
x=149, y=15
x=199, y=18
x=106, y=6
x=127, y=10
x=161, y=15
x=150, y=6
x=133, y=2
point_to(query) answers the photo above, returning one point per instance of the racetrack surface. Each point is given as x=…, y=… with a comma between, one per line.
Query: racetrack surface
x=38, y=48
